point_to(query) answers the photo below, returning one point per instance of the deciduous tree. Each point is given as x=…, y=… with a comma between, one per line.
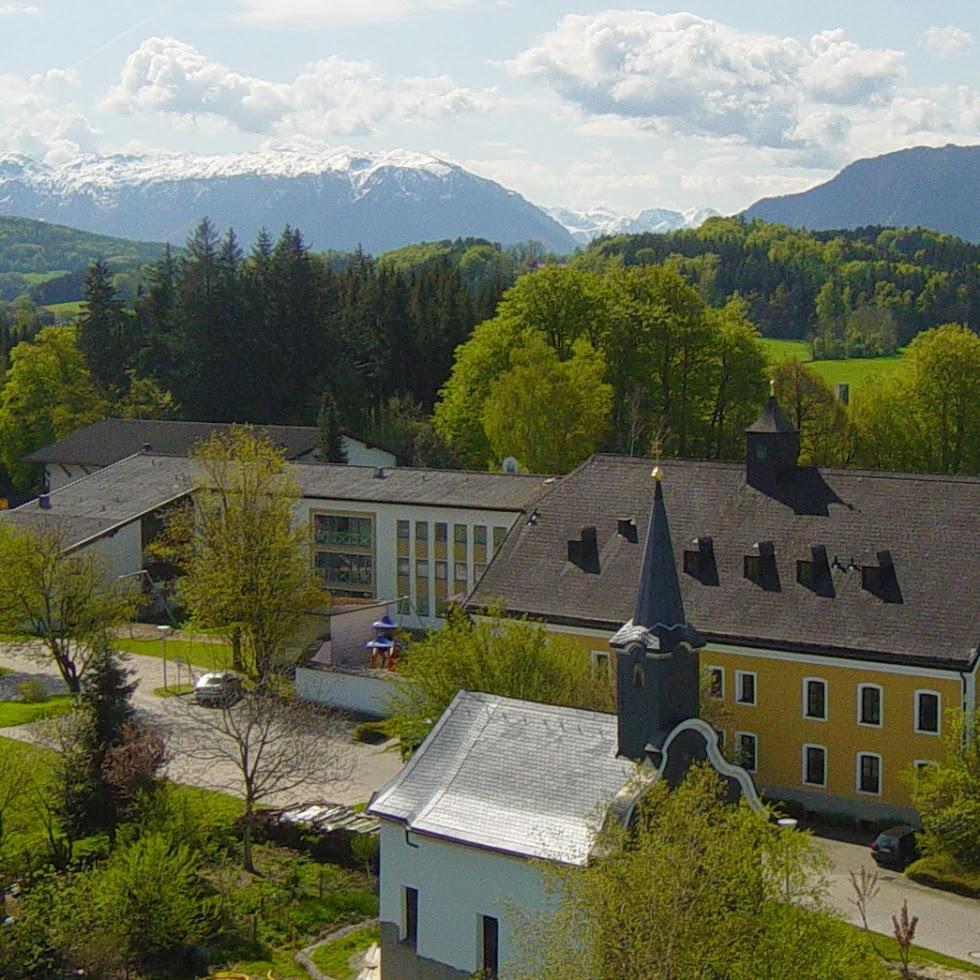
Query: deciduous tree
x=47, y=393
x=65, y=603
x=548, y=413
x=695, y=888
x=512, y=658
x=248, y=572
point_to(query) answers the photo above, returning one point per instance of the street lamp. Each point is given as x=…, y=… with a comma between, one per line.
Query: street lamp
x=164, y=633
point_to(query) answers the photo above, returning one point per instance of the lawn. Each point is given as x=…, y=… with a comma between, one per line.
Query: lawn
x=34, y=278
x=201, y=653
x=888, y=947
x=849, y=370
x=22, y=713
x=332, y=958
x=62, y=310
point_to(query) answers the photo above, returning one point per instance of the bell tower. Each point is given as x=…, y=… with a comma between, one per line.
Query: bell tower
x=657, y=675
x=772, y=446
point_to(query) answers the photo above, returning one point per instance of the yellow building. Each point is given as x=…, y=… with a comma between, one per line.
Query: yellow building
x=839, y=608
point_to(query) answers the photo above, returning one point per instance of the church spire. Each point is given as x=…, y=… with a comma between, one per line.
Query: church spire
x=659, y=607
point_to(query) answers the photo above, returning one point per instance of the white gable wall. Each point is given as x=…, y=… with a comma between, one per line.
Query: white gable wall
x=457, y=885
x=58, y=474
x=361, y=454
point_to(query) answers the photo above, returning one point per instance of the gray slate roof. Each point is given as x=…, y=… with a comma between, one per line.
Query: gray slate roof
x=434, y=488
x=528, y=779
x=930, y=524
x=119, y=493
x=110, y=440
x=110, y=497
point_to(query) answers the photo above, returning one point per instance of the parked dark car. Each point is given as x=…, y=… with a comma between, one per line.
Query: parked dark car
x=895, y=847
x=218, y=689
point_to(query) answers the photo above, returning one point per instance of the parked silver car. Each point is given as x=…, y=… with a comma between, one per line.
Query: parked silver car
x=218, y=689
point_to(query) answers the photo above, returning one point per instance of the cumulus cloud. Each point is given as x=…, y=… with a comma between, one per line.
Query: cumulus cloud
x=683, y=74
x=946, y=42
x=37, y=116
x=329, y=97
x=329, y=13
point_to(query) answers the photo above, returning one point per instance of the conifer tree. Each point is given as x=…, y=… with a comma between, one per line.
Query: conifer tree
x=330, y=435
x=104, y=329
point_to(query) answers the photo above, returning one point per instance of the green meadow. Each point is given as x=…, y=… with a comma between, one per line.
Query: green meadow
x=848, y=370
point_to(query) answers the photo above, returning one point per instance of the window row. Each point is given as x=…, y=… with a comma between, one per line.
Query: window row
x=488, y=933
x=440, y=533
x=868, y=765
x=870, y=700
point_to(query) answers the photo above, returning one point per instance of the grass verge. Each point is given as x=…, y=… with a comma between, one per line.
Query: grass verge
x=21, y=713
x=200, y=653
x=173, y=691
x=941, y=871
x=333, y=957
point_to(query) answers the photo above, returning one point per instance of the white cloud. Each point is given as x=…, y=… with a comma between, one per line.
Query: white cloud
x=679, y=74
x=37, y=116
x=329, y=97
x=15, y=8
x=330, y=13
x=946, y=42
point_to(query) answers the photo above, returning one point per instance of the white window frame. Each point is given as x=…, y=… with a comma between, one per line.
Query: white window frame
x=826, y=756
x=739, y=674
x=738, y=750
x=919, y=764
x=805, y=691
x=881, y=706
x=857, y=773
x=711, y=668
x=600, y=660
x=939, y=712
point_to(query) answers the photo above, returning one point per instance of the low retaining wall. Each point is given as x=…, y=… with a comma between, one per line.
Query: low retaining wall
x=364, y=692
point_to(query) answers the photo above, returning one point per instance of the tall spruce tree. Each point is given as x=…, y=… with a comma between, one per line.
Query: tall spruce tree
x=105, y=335
x=330, y=435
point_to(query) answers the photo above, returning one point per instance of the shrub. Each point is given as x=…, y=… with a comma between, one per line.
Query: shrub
x=32, y=691
x=942, y=871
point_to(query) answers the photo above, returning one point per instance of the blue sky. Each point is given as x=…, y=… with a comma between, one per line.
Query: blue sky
x=571, y=103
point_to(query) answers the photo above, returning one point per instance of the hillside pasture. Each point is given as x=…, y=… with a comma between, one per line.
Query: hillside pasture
x=847, y=370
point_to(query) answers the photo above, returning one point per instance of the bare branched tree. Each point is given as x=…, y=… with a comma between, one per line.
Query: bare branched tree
x=266, y=746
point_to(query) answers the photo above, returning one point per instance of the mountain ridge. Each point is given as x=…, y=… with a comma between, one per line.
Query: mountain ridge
x=928, y=187
x=341, y=199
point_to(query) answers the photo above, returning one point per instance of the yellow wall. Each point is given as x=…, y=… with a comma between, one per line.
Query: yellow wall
x=781, y=729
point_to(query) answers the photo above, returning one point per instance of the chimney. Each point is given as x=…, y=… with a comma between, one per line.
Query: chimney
x=44, y=501
x=379, y=472
x=585, y=552
x=147, y=447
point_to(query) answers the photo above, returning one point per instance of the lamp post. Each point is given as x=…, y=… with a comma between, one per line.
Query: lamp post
x=164, y=633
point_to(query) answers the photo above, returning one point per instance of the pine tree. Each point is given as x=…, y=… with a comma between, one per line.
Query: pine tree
x=330, y=437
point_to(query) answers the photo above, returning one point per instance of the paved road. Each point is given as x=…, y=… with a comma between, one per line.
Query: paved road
x=369, y=766
x=947, y=923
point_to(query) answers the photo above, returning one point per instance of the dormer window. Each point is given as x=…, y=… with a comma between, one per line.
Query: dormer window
x=880, y=579
x=814, y=572
x=759, y=565
x=699, y=561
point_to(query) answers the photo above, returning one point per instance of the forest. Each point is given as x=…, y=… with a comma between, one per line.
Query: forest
x=865, y=291
x=463, y=354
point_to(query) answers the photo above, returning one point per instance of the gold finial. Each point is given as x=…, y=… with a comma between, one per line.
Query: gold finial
x=772, y=387
x=656, y=474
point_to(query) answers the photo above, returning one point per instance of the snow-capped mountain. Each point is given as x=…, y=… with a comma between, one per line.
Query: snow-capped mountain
x=586, y=225
x=339, y=198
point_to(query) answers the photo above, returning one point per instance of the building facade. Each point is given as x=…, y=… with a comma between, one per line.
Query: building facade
x=840, y=609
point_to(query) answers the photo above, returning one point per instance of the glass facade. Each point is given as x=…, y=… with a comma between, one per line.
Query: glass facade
x=344, y=553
